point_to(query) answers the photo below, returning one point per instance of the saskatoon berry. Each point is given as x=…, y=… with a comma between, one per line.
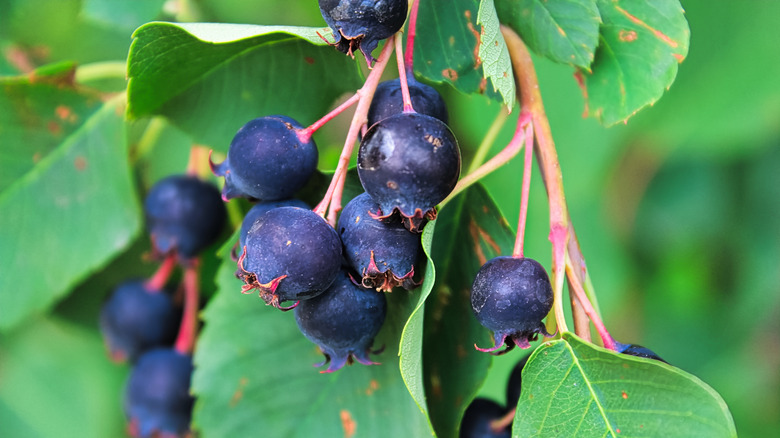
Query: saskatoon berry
x=638, y=351
x=183, y=214
x=408, y=163
x=135, y=319
x=157, y=396
x=477, y=419
x=291, y=254
x=388, y=101
x=511, y=296
x=382, y=252
x=361, y=24
x=514, y=386
x=261, y=208
x=267, y=160
x=343, y=322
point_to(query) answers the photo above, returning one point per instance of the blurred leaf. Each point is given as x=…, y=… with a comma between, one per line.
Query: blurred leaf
x=56, y=382
x=493, y=54
x=565, y=31
x=79, y=199
x=640, y=46
x=125, y=14
x=254, y=373
x=572, y=388
x=470, y=231
x=233, y=74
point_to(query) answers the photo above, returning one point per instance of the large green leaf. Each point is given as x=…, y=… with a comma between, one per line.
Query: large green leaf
x=574, y=389
x=493, y=54
x=211, y=78
x=79, y=199
x=641, y=45
x=565, y=31
x=470, y=231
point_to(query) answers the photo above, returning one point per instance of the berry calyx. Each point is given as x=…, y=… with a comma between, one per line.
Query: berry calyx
x=388, y=101
x=361, y=24
x=343, y=322
x=408, y=163
x=183, y=215
x=511, y=296
x=382, y=252
x=291, y=254
x=267, y=160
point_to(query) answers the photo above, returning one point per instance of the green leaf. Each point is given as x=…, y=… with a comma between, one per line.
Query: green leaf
x=79, y=199
x=254, y=373
x=565, y=31
x=57, y=382
x=641, y=45
x=210, y=79
x=574, y=389
x=493, y=54
x=470, y=231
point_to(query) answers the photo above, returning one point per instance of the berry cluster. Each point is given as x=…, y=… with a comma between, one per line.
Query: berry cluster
x=145, y=325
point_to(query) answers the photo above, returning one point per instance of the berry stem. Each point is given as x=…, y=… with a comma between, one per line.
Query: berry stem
x=411, y=33
x=332, y=196
x=188, y=330
x=531, y=101
x=198, y=161
x=488, y=140
x=527, y=165
x=402, y=77
x=579, y=293
x=501, y=424
x=304, y=135
x=157, y=281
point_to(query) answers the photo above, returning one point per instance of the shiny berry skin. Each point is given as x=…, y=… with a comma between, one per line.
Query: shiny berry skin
x=638, y=351
x=409, y=163
x=267, y=160
x=135, y=319
x=477, y=418
x=184, y=214
x=388, y=101
x=382, y=252
x=261, y=208
x=343, y=322
x=157, y=398
x=511, y=296
x=515, y=384
x=291, y=254
x=361, y=24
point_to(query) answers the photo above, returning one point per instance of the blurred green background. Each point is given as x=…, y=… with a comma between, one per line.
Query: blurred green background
x=677, y=212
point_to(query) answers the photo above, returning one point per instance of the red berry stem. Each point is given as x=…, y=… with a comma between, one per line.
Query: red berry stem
x=527, y=165
x=332, y=198
x=411, y=34
x=402, y=77
x=305, y=134
x=579, y=294
x=157, y=281
x=188, y=330
x=504, y=422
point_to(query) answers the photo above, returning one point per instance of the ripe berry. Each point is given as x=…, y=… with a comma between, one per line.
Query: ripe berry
x=157, y=396
x=382, y=252
x=267, y=160
x=291, y=254
x=638, y=351
x=343, y=322
x=477, y=419
x=361, y=24
x=515, y=384
x=408, y=163
x=135, y=319
x=388, y=101
x=261, y=208
x=511, y=296
x=183, y=214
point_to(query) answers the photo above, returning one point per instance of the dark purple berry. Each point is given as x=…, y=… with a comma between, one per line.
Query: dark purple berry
x=382, y=252
x=409, y=163
x=135, y=319
x=157, y=396
x=515, y=384
x=361, y=24
x=267, y=160
x=291, y=254
x=261, y=208
x=388, y=101
x=638, y=351
x=183, y=214
x=343, y=322
x=477, y=419
x=511, y=296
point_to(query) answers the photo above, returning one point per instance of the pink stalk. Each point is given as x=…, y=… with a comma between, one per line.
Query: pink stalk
x=579, y=293
x=305, y=134
x=402, y=77
x=157, y=282
x=411, y=34
x=188, y=330
x=527, y=165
